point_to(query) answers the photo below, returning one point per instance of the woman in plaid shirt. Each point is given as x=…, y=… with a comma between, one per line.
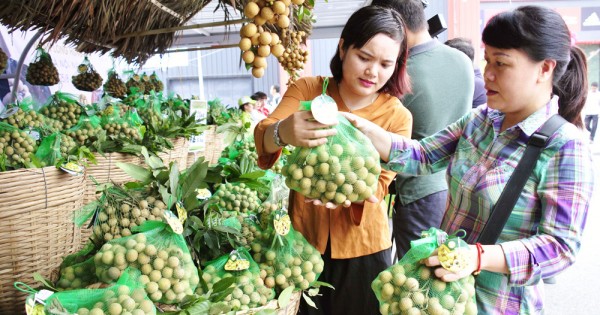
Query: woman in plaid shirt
x=532, y=73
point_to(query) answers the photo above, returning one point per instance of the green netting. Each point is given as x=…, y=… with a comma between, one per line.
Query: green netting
x=117, y=126
x=126, y=297
x=49, y=150
x=87, y=79
x=409, y=287
x=236, y=197
x=16, y=147
x=168, y=272
x=63, y=108
x=114, y=86
x=86, y=131
x=345, y=168
x=250, y=290
x=277, y=199
x=42, y=71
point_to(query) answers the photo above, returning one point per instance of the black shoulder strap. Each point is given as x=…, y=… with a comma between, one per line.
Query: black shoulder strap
x=514, y=186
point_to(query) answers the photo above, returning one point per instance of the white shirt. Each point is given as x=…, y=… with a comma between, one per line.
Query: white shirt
x=592, y=104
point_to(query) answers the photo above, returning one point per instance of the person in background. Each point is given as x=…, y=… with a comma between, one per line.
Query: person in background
x=22, y=92
x=532, y=73
x=369, y=74
x=442, y=92
x=275, y=97
x=246, y=105
x=591, y=110
x=261, y=103
x=464, y=45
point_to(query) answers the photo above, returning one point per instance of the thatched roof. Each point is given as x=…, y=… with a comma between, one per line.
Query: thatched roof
x=105, y=25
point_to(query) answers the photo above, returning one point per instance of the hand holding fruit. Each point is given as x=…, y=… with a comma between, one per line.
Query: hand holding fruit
x=469, y=253
x=301, y=130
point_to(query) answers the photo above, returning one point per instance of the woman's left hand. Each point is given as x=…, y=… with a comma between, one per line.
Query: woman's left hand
x=447, y=275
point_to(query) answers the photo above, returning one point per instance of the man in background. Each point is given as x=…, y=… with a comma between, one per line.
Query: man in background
x=261, y=103
x=275, y=97
x=464, y=45
x=442, y=92
x=591, y=110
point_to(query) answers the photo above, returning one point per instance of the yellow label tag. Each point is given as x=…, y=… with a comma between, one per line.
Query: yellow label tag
x=72, y=168
x=203, y=193
x=282, y=224
x=181, y=212
x=236, y=263
x=173, y=222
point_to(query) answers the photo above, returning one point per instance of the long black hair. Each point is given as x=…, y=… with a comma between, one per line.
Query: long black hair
x=542, y=34
x=363, y=25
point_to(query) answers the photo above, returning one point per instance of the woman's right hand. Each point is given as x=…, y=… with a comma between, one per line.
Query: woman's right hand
x=302, y=130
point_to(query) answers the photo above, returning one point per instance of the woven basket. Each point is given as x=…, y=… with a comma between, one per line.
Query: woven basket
x=178, y=154
x=36, y=227
x=213, y=145
x=107, y=171
x=290, y=309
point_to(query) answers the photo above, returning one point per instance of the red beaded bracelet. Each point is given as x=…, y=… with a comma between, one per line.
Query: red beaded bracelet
x=479, y=252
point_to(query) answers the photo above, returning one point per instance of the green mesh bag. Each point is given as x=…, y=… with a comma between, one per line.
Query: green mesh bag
x=250, y=290
x=278, y=199
x=16, y=147
x=63, y=108
x=236, y=197
x=55, y=147
x=127, y=296
x=86, y=131
x=409, y=287
x=345, y=168
x=294, y=260
x=78, y=270
x=87, y=79
x=42, y=71
x=118, y=127
x=168, y=272
x=114, y=86
x=24, y=116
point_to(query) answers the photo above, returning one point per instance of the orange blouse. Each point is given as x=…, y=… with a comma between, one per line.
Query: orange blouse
x=352, y=235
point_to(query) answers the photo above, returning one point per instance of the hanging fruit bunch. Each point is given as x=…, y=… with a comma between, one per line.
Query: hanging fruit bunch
x=87, y=79
x=274, y=30
x=3, y=61
x=114, y=86
x=148, y=86
x=42, y=71
x=135, y=81
x=158, y=84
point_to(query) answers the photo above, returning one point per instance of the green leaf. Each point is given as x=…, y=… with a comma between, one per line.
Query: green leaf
x=313, y=291
x=253, y=175
x=309, y=301
x=193, y=179
x=222, y=295
x=223, y=284
x=136, y=172
x=322, y=284
x=266, y=312
x=284, y=297
x=200, y=308
x=40, y=278
x=134, y=185
x=174, y=179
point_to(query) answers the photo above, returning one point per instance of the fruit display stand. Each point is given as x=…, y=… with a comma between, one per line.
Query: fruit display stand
x=36, y=227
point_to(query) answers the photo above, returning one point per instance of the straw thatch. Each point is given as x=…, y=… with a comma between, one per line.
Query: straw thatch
x=103, y=26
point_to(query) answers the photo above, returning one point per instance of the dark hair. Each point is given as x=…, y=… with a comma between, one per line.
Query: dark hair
x=258, y=96
x=276, y=88
x=363, y=25
x=462, y=44
x=542, y=34
x=412, y=12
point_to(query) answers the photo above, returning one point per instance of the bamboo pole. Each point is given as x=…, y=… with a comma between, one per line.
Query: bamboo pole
x=182, y=28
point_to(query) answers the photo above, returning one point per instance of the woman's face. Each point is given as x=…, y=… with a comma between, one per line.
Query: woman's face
x=512, y=80
x=368, y=69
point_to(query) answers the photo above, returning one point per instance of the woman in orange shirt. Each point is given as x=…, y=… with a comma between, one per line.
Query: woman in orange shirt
x=369, y=74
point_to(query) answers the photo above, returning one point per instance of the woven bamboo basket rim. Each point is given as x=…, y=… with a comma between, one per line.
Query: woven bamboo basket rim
x=36, y=187
x=213, y=144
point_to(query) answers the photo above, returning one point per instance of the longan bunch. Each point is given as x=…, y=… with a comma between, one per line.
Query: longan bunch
x=117, y=217
x=236, y=197
x=42, y=71
x=135, y=81
x=249, y=292
x=86, y=134
x=168, y=272
x=121, y=300
x=3, y=60
x=245, y=148
x=25, y=119
x=122, y=130
x=63, y=111
x=54, y=124
x=67, y=145
x=158, y=84
x=87, y=78
x=77, y=276
x=148, y=85
x=114, y=86
x=294, y=56
x=150, y=116
x=17, y=146
x=414, y=289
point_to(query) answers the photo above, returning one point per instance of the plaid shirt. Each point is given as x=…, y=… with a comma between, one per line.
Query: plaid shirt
x=543, y=232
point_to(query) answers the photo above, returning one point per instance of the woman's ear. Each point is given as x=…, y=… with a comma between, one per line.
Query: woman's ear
x=547, y=70
x=341, y=48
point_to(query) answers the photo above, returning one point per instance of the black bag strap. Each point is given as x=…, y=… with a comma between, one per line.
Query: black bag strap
x=516, y=182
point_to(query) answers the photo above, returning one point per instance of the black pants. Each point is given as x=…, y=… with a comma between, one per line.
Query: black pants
x=411, y=219
x=352, y=281
x=591, y=124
